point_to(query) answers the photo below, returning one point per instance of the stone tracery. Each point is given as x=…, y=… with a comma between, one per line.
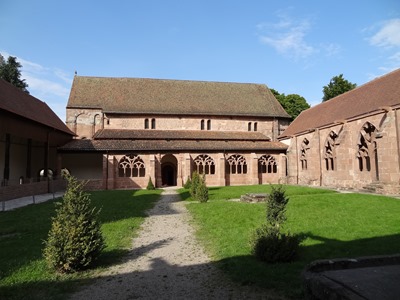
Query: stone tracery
x=131, y=166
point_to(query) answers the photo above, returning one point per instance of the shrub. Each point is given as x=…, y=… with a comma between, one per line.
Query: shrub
x=270, y=245
x=150, y=185
x=202, y=190
x=276, y=206
x=194, y=184
x=187, y=184
x=75, y=239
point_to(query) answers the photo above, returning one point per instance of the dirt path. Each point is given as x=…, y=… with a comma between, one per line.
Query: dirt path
x=166, y=262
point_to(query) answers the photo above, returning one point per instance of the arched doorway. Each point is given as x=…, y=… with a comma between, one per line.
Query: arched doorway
x=169, y=168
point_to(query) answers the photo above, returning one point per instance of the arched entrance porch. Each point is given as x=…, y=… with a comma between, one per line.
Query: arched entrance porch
x=169, y=167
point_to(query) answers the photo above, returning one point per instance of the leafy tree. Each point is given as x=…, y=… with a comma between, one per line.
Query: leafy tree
x=293, y=104
x=337, y=86
x=75, y=239
x=10, y=71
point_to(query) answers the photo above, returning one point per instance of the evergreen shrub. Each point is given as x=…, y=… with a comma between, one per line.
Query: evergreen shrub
x=75, y=240
x=268, y=243
x=150, y=185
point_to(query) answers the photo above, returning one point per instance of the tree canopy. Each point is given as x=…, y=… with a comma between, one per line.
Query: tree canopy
x=338, y=85
x=10, y=71
x=293, y=104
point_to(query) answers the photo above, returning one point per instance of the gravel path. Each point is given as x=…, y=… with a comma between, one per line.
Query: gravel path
x=166, y=262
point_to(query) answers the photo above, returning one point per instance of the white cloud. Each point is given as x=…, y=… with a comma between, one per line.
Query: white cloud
x=51, y=85
x=388, y=35
x=287, y=36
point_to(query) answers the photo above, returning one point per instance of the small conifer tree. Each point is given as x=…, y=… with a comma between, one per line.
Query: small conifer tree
x=150, y=185
x=75, y=239
x=202, y=190
x=188, y=183
x=195, y=183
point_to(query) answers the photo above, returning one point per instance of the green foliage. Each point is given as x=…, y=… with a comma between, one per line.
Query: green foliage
x=293, y=104
x=75, y=239
x=202, y=190
x=187, y=184
x=276, y=206
x=195, y=182
x=10, y=72
x=269, y=244
x=150, y=185
x=337, y=86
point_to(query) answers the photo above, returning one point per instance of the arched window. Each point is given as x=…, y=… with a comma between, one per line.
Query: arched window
x=303, y=153
x=249, y=126
x=205, y=164
x=153, y=123
x=255, y=126
x=208, y=124
x=202, y=124
x=366, y=147
x=329, y=151
x=146, y=123
x=236, y=164
x=267, y=164
x=131, y=166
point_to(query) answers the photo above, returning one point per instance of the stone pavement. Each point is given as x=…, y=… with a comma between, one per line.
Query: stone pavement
x=24, y=201
x=375, y=277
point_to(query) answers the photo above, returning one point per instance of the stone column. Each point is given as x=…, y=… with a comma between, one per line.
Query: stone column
x=220, y=164
x=253, y=170
x=152, y=169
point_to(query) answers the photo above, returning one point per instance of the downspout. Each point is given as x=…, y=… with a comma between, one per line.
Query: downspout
x=397, y=137
x=297, y=161
x=319, y=156
x=107, y=170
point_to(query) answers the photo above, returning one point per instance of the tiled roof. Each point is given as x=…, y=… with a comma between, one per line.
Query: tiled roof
x=177, y=97
x=370, y=97
x=179, y=135
x=173, y=140
x=15, y=101
x=163, y=145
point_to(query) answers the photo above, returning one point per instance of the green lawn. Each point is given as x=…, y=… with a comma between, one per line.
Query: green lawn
x=22, y=269
x=334, y=225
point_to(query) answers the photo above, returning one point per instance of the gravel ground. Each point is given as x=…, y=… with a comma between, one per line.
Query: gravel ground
x=166, y=262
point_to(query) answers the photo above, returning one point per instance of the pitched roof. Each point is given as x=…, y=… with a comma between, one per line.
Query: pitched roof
x=164, y=145
x=173, y=140
x=368, y=98
x=15, y=101
x=179, y=135
x=182, y=97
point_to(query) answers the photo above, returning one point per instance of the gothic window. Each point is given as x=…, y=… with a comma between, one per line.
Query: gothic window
x=153, y=123
x=146, y=123
x=329, y=151
x=303, y=153
x=236, y=164
x=205, y=164
x=208, y=124
x=202, y=124
x=366, y=145
x=131, y=166
x=267, y=164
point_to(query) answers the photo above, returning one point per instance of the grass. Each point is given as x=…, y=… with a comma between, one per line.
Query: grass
x=334, y=225
x=23, y=270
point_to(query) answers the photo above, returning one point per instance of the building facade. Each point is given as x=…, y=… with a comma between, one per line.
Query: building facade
x=351, y=141
x=30, y=133
x=130, y=130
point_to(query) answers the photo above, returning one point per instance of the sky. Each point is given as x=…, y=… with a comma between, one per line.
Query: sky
x=294, y=47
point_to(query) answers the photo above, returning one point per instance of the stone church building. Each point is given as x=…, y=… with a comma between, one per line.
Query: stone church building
x=351, y=141
x=130, y=129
